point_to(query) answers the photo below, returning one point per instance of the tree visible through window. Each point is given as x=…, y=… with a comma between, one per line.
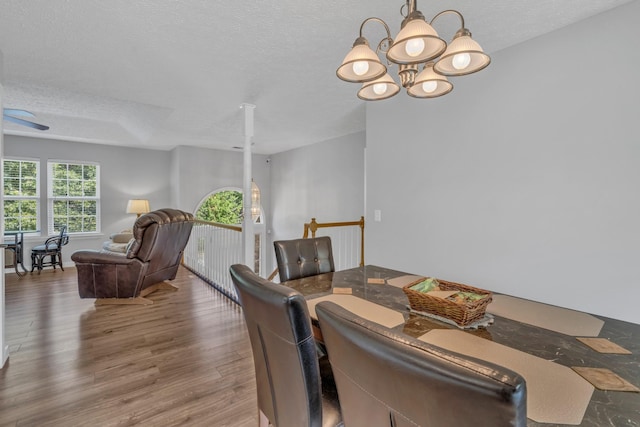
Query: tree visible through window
x=224, y=207
x=74, y=197
x=21, y=195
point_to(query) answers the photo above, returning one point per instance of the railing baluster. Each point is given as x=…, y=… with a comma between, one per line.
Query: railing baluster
x=214, y=247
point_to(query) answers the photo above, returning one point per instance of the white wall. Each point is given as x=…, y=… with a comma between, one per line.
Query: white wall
x=178, y=179
x=199, y=171
x=323, y=180
x=525, y=179
x=125, y=173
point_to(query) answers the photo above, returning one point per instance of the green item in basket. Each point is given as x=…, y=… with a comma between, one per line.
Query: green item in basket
x=463, y=297
x=426, y=285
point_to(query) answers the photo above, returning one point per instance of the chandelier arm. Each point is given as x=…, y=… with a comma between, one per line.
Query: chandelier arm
x=386, y=27
x=455, y=12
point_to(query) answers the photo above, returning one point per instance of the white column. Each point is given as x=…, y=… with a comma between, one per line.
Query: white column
x=247, y=223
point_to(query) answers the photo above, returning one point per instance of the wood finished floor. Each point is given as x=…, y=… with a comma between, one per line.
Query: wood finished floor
x=185, y=360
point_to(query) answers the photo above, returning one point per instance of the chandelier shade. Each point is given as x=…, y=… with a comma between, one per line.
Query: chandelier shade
x=379, y=89
x=416, y=42
x=361, y=64
x=255, y=201
x=463, y=56
x=429, y=84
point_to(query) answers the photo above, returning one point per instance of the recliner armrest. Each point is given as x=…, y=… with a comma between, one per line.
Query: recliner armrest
x=98, y=257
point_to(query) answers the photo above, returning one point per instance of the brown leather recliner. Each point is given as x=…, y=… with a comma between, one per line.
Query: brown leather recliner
x=155, y=255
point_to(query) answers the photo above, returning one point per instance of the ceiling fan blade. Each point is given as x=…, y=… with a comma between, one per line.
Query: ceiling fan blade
x=25, y=122
x=15, y=112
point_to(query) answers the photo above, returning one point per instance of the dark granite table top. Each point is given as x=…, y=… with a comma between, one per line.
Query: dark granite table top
x=607, y=408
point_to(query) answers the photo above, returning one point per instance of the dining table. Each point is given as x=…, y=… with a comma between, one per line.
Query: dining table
x=15, y=244
x=603, y=407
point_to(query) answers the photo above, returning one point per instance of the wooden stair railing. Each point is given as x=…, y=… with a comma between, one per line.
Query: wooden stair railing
x=313, y=226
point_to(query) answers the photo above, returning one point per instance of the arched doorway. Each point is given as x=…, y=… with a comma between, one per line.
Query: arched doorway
x=224, y=206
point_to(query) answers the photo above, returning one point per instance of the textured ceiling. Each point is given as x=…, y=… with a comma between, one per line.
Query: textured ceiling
x=163, y=73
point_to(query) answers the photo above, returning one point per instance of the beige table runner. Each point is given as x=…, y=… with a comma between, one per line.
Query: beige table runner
x=555, y=393
x=363, y=308
x=603, y=345
x=605, y=379
x=402, y=281
x=558, y=319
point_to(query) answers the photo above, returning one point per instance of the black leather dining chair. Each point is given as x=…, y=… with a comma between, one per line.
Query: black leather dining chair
x=51, y=248
x=392, y=380
x=303, y=257
x=295, y=388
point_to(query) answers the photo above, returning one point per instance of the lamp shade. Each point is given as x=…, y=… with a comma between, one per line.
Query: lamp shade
x=382, y=88
x=463, y=56
x=429, y=84
x=138, y=206
x=361, y=64
x=416, y=42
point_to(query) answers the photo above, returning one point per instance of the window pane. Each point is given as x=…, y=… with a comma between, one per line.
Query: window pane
x=90, y=223
x=72, y=207
x=11, y=208
x=29, y=187
x=75, y=224
x=58, y=222
x=29, y=207
x=75, y=188
x=21, y=215
x=59, y=171
x=60, y=208
x=20, y=180
x=75, y=207
x=75, y=172
x=29, y=224
x=90, y=189
x=90, y=207
x=59, y=188
x=11, y=168
x=11, y=224
x=224, y=207
x=89, y=172
x=28, y=169
x=12, y=186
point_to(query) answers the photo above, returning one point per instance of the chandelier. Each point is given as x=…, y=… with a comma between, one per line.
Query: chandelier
x=416, y=44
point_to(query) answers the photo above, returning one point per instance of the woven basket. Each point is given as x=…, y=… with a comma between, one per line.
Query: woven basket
x=462, y=314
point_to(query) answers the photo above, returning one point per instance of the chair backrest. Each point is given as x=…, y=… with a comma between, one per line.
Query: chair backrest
x=387, y=379
x=284, y=353
x=160, y=237
x=64, y=237
x=303, y=257
x=55, y=243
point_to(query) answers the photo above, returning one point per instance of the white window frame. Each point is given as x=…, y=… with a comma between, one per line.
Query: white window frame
x=36, y=197
x=52, y=198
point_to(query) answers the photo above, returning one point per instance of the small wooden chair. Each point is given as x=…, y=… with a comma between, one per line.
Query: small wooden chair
x=52, y=248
